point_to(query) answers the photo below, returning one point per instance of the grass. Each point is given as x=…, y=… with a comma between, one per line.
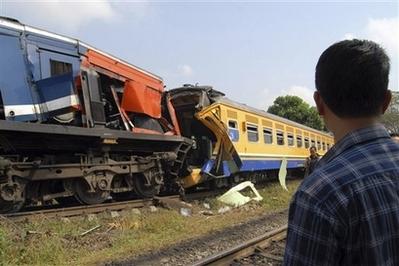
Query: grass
x=56, y=242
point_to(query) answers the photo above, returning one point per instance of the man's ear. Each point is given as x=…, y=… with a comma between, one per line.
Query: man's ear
x=319, y=103
x=387, y=101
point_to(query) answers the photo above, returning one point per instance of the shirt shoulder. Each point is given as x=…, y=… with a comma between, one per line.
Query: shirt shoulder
x=339, y=178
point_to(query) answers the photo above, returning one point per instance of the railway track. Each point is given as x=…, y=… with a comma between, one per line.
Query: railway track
x=60, y=212
x=69, y=211
x=80, y=210
x=269, y=246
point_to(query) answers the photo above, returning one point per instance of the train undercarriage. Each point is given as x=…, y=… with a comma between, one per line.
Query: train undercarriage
x=82, y=166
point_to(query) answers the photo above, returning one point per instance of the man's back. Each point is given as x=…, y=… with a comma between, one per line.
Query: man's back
x=347, y=211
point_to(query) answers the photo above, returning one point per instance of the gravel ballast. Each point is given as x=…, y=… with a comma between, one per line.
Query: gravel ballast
x=190, y=251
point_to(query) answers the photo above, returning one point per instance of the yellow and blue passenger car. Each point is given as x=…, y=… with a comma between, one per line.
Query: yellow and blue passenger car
x=263, y=139
x=236, y=142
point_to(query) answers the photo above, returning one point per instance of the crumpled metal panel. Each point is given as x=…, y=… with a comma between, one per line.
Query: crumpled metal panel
x=139, y=98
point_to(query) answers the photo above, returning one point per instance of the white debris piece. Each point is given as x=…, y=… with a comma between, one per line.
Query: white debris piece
x=224, y=209
x=185, y=212
x=136, y=211
x=282, y=174
x=234, y=198
x=114, y=214
x=207, y=206
x=91, y=217
x=153, y=208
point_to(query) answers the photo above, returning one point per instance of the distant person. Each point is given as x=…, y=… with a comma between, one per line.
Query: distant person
x=311, y=161
x=347, y=211
x=395, y=137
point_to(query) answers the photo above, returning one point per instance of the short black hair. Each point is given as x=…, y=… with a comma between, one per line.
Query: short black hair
x=352, y=78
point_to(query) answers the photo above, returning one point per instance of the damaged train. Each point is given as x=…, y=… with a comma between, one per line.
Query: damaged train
x=78, y=125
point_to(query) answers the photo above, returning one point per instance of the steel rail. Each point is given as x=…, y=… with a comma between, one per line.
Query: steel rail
x=98, y=208
x=53, y=212
x=83, y=209
x=245, y=249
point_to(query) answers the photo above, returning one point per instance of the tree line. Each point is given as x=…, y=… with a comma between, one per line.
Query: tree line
x=296, y=109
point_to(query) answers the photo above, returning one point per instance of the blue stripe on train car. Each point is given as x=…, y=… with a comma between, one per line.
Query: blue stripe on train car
x=256, y=165
x=269, y=164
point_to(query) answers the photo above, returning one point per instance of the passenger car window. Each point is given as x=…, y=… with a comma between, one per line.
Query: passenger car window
x=299, y=141
x=268, y=135
x=307, y=143
x=318, y=145
x=280, y=138
x=324, y=146
x=253, y=135
x=234, y=134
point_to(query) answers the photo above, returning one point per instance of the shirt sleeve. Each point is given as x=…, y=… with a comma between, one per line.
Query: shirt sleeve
x=312, y=236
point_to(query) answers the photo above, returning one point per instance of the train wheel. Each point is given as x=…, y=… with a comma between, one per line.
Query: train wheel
x=10, y=206
x=83, y=195
x=142, y=188
x=12, y=197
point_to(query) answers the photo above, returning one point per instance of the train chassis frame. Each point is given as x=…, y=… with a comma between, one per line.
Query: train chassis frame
x=90, y=181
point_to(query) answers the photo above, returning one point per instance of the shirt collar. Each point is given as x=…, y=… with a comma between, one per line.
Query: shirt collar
x=355, y=137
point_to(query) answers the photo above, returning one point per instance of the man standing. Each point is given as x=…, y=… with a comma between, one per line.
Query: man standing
x=311, y=161
x=395, y=137
x=347, y=211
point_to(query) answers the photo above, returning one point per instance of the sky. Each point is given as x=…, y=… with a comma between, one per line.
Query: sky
x=251, y=51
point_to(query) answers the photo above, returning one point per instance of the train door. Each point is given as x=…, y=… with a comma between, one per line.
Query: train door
x=53, y=73
x=17, y=101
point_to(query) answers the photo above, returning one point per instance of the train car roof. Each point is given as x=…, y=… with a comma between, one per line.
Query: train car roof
x=244, y=107
x=14, y=24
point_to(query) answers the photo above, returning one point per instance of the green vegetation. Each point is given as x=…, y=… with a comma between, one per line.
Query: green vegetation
x=391, y=117
x=295, y=109
x=57, y=242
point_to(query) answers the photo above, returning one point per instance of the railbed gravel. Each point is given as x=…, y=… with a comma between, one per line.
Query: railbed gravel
x=192, y=250
x=276, y=250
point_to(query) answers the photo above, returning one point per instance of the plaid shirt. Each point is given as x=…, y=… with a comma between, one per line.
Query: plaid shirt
x=347, y=211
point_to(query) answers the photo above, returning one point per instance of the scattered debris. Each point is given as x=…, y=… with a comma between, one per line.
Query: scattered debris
x=164, y=260
x=153, y=208
x=282, y=174
x=206, y=212
x=114, y=214
x=136, y=211
x=29, y=232
x=207, y=206
x=235, y=198
x=111, y=226
x=185, y=212
x=92, y=217
x=187, y=204
x=90, y=230
x=224, y=209
x=65, y=220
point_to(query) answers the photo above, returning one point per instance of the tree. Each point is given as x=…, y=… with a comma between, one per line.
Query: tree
x=391, y=117
x=295, y=109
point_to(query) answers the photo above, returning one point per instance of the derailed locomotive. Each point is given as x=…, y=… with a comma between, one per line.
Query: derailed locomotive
x=77, y=124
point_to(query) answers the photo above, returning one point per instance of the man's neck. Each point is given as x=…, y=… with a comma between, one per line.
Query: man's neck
x=345, y=126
